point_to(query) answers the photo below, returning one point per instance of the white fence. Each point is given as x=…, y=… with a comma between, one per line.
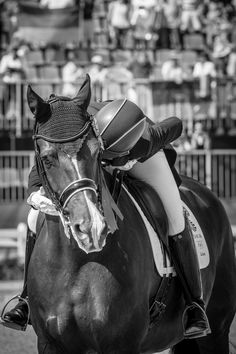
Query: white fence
x=12, y=242
x=214, y=168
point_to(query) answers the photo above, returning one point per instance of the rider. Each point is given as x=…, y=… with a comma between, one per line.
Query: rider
x=152, y=167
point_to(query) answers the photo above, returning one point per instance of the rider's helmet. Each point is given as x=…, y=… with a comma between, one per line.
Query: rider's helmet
x=121, y=123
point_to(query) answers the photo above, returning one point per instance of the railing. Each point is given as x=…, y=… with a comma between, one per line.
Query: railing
x=16, y=118
x=14, y=171
x=214, y=168
x=12, y=242
x=158, y=99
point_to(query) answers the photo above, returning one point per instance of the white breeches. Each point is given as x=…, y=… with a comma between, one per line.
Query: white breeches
x=32, y=219
x=156, y=172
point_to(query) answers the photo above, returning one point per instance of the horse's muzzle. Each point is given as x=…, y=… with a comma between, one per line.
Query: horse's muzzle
x=92, y=240
x=88, y=226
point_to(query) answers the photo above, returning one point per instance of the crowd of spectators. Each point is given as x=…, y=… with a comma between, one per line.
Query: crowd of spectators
x=136, y=31
x=152, y=25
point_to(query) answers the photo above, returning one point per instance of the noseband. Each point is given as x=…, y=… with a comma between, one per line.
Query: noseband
x=75, y=186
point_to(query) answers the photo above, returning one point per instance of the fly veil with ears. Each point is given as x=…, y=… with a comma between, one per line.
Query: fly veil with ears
x=64, y=120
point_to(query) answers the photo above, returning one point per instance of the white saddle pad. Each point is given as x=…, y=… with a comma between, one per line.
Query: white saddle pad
x=199, y=239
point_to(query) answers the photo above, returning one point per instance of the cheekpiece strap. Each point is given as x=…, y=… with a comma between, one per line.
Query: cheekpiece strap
x=94, y=124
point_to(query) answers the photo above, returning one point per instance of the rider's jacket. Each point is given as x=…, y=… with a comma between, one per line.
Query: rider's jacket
x=155, y=137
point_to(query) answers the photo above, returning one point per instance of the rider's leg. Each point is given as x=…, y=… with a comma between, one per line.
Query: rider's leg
x=19, y=314
x=157, y=173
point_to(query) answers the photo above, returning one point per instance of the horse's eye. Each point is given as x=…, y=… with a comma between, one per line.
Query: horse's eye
x=49, y=160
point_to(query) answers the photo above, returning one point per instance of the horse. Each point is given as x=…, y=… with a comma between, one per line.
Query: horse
x=90, y=282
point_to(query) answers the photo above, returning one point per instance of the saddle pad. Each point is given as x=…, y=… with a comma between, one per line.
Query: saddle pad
x=200, y=243
x=199, y=239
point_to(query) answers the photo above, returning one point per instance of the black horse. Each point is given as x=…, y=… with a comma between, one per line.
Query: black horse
x=91, y=291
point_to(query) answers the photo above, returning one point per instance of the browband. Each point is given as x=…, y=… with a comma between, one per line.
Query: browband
x=74, y=137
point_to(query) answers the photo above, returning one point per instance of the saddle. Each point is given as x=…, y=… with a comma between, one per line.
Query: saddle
x=151, y=205
x=153, y=209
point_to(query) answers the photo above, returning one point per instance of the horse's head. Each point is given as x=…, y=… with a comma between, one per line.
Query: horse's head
x=68, y=148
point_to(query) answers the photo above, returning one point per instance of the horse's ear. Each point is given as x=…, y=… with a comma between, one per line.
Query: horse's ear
x=84, y=95
x=40, y=109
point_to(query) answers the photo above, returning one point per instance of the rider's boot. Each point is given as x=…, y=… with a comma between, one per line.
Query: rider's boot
x=195, y=322
x=19, y=315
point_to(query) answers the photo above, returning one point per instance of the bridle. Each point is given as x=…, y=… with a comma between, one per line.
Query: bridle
x=76, y=186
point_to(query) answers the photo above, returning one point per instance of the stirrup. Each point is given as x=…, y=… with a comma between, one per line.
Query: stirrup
x=199, y=333
x=13, y=325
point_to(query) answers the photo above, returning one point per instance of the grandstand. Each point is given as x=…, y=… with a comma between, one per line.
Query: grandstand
x=44, y=60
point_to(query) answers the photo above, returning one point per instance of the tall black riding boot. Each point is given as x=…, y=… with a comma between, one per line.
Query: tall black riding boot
x=195, y=322
x=18, y=316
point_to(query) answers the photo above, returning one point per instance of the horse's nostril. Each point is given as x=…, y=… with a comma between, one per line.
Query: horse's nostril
x=77, y=228
x=66, y=212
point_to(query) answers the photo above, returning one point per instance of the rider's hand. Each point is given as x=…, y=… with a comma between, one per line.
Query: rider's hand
x=38, y=201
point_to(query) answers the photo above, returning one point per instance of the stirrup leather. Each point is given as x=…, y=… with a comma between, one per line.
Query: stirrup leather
x=12, y=324
x=199, y=333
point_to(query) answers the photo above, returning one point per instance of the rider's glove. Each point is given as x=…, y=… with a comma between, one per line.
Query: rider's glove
x=38, y=201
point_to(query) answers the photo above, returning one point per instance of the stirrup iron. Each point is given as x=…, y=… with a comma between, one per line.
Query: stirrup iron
x=197, y=334
x=13, y=325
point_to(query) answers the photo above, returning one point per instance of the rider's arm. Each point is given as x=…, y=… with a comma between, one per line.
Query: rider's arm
x=36, y=195
x=34, y=183
x=156, y=137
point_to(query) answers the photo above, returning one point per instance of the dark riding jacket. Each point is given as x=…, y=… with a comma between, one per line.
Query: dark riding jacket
x=154, y=138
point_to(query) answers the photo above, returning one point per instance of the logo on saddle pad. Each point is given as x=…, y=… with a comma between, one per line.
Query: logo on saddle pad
x=162, y=261
x=199, y=239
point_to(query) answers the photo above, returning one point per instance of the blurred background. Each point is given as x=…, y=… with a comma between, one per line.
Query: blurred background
x=171, y=57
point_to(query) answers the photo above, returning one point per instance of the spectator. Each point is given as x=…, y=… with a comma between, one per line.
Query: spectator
x=171, y=10
x=221, y=50
x=88, y=33
x=70, y=73
x=221, y=46
x=212, y=22
x=231, y=66
x=142, y=21
x=11, y=65
x=118, y=21
x=204, y=70
x=141, y=66
x=190, y=17
x=97, y=70
x=57, y=4
x=4, y=25
x=200, y=139
x=160, y=26
x=12, y=71
x=172, y=71
x=118, y=79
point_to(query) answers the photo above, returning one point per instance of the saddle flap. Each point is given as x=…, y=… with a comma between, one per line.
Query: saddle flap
x=151, y=205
